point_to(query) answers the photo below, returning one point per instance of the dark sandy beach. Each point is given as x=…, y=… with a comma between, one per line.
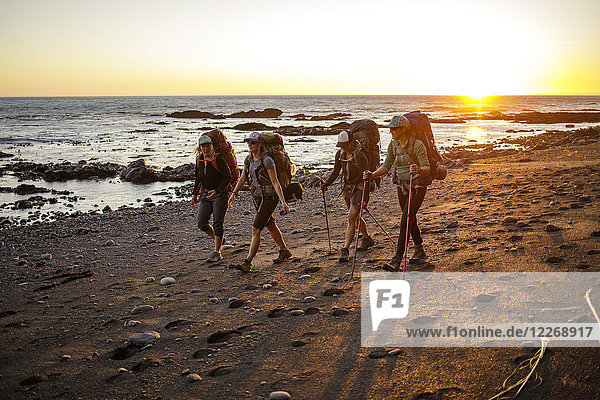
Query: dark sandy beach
x=64, y=320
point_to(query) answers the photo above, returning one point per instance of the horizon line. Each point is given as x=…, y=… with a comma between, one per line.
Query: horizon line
x=302, y=95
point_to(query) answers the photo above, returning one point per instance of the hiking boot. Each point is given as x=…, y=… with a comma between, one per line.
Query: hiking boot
x=344, y=255
x=393, y=265
x=215, y=257
x=366, y=242
x=244, y=266
x=284, y=254
x=418, y=255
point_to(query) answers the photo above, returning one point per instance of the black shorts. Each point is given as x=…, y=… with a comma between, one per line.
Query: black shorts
x=265, y=207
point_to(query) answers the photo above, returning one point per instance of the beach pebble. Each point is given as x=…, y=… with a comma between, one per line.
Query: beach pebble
x=46, y=257
x=167, y=280
x=395, y=352
x=213, y=300
x=150, y=279
x=144, y=339
x=132, y=323
x=195, y=291
x=279, y=395
x=554, y=260
x=191, y=378
x=236, y=303
x=305, y=276
x=308, y=299
x=226, y=247
x=123, y=370
x=585, y=198
x=297, y=312
x=142, y=309
x=108, y=243
x=490, y=222
x=452, y=225
x=279, y=293
x=267, y=286
x=551, y=228
x=64, y=358
x=522, y=224
x=509, y=220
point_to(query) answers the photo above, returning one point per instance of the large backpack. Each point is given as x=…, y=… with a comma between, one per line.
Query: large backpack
x=421, y=129
x=366, y=132
x=222, y=146
x=285, y=168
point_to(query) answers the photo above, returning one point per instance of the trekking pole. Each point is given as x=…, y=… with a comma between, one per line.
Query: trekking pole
x=379, y=225
x=326, y=219
x=407, y=222
x=362, y=202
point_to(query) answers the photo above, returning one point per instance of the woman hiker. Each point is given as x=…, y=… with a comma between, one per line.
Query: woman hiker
x=261, y=170
x=212, y=178
x=351, y=162
x=410, y=157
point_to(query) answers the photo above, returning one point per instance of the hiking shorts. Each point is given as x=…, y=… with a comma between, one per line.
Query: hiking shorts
x=265, y=208
x=353, y=196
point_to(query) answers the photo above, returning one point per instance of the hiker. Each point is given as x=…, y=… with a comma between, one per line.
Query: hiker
x=410, y=157
x=212, y=181
x=351, y=162
x=266, y=190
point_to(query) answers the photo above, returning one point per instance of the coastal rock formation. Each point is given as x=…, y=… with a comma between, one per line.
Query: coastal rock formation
x=195, y=114
x=254, y=126
x=138, y=172
x=312, y=130
x=182, y=173
x=62, y=172
x=266, y=113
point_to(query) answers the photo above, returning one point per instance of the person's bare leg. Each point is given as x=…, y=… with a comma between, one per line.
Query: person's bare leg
x=276, y=235
x=254, y=244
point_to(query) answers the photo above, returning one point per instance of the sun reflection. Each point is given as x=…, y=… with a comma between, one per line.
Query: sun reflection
x=475, y=133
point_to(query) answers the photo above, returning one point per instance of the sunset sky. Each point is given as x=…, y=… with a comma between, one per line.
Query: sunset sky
x=147, y=47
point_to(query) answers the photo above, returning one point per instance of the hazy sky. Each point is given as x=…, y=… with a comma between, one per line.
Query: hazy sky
x=147, y=47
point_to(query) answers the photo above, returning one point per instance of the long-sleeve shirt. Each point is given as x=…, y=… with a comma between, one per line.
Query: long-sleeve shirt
x=211, y=178
x=352, y=169
x=400, y=155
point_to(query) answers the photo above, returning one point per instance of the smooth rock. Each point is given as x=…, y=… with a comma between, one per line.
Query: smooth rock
x=297, y=312
x=279, y=395
x=144, y=339
x=509, y=220
x=191, y=378
x=132, y=323
x=452, y=225
x=309, y=299
x=306, y=276
x=46, y=257
x=167, y=281
x=150, y=279
x=226, y=247
x=64, y=358
x=551, y=228
x=267, y=286
x=142, y=309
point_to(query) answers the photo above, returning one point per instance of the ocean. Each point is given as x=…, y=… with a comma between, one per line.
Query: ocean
x=123, y=129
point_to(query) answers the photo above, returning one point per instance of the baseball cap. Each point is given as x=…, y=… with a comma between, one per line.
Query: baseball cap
x=204, y=140
x=343, y=139
x=398, y=121
x=255, y=137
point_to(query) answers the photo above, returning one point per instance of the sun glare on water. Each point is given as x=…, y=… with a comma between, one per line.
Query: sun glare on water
x=477, y=134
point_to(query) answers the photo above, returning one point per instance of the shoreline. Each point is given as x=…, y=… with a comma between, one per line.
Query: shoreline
x=250, y=351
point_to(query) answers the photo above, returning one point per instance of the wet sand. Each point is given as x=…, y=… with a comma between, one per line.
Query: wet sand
x=64, y=320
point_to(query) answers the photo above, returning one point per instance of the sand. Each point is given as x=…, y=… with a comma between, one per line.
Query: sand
x=64, y=320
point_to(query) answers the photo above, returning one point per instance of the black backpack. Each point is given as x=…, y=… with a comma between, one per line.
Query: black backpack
x=366, y=132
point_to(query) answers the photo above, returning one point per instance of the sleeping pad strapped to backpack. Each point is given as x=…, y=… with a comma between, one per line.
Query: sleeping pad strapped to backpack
x=367, y=134
x=421, y=129
x=222, y=146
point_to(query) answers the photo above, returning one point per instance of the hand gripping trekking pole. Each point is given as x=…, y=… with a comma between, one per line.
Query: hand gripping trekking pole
x=326, y=219
x=407, y=222
x=362, y=202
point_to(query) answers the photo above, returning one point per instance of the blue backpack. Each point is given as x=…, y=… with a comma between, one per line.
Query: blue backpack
x=421, y=129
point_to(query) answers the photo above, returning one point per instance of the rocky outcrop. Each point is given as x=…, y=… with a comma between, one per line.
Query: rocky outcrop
x=63, y=171
x=138, y=172
x=254, y=126
x=182, y=173
x=266, y=113
x=195, y=114
x=312, y=130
